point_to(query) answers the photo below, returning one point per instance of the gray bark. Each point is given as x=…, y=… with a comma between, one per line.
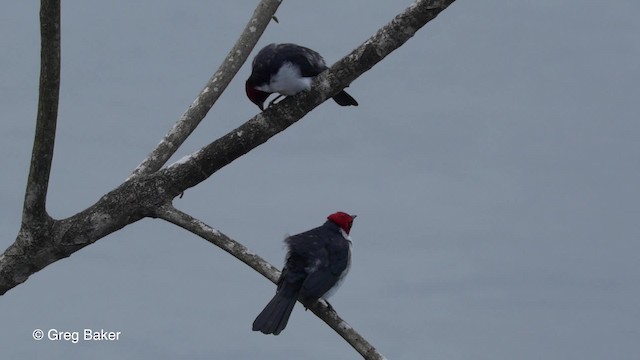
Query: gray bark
x=213, y=89
x=150, y=190
x=37, y=183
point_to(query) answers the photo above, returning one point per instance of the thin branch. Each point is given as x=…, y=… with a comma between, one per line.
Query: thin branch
x=350, y=335
x=216, y=85
x=42, y=154
x=239, y=251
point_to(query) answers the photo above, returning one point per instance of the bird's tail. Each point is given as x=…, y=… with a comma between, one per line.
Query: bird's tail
x=344, y=99
x=274, y=317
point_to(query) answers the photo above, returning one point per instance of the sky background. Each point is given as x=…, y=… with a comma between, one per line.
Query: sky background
x=493, y=162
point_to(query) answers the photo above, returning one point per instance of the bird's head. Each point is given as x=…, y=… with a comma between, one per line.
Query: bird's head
x=256, y=96
x=342, y=219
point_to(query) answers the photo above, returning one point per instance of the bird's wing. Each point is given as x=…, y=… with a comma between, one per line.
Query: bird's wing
x=301, y=248
x=310, y=62
x=326, y=274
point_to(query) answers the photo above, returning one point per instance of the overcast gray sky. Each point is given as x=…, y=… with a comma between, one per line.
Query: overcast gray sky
x=494, y=163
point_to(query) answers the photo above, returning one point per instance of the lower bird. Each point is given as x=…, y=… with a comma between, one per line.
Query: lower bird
x=316, y=263
x=287, y=69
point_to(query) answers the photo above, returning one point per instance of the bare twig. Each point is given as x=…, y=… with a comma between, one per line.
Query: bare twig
x=239, y=251
x=213, y=89
x=43, y=144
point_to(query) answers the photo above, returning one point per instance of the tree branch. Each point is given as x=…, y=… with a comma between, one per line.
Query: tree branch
x=42, y=154
x=140, y=196
x=199, y=108
x=198, y=166
x=237, y=250
x=350, y=335
x=240, y=252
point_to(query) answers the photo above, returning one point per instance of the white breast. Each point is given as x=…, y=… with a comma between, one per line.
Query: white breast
x=287, y=81
x=344, y=273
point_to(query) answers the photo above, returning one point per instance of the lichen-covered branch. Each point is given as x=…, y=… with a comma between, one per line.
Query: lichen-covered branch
x=239, y=251
x=216, y=85
x=349, y=334
x=195, y=168
x=149, y=191
x=141, y=196
x=34, y=209
x=39, y=244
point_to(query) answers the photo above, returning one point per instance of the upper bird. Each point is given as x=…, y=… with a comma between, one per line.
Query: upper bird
x=286, y=69
x=316, y=263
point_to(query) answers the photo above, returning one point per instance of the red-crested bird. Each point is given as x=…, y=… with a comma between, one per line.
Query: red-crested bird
x=286, y=69
x=316, y=263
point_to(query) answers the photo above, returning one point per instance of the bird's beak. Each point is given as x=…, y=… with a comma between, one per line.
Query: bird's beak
x=354, y=216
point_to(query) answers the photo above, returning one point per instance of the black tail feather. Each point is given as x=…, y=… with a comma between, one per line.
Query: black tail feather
x=344, y=99
x=274, y=317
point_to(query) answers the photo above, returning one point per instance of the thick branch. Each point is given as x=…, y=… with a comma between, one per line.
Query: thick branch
x=212, y=90
x=140, y=196
x=38, y=182
x=197, y=167
x=239, y=251
x=41, y=244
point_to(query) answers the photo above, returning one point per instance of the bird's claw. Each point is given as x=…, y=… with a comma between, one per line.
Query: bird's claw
x=329, y=305
x=273, y=102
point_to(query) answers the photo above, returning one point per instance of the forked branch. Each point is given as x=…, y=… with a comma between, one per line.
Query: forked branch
x=216, y=85
x=150, y=190
x=195, y=168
